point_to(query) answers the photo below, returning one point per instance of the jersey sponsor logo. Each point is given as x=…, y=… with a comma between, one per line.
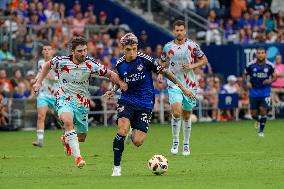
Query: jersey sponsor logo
x=134, y=77
x=140, y=67
x=120, y=109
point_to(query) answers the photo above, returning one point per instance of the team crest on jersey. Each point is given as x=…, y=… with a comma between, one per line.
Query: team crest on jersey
x=265, y=70
x=140, y=67
x=254, y=69
x=120, y=109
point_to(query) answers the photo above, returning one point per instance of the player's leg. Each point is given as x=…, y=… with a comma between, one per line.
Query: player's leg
x=175, y=99
x=41, y=115
x=81, y=123
x=125, y=114
x=118, y=144
x=188, y=105
x=263, y=109
x=254, y=104
x=140, y=124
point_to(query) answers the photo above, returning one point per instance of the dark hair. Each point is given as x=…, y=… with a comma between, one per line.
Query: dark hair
x=178, y=23
x=46, y=43
x=78, y=41
x=261, y=49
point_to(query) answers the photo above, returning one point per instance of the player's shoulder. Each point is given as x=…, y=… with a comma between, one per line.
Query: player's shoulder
x=41, y=61
x=120, y=60
x=251, y=63
x=269, y=64
x=92, y=60
x=145, y=57
x=61, y=58
x=169, y=43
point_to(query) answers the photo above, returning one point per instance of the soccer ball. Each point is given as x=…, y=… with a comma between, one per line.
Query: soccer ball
x=158, y=164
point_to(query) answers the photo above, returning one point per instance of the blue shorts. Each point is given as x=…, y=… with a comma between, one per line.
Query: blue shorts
x=139, y=118
x=256, y=102
x=176, y=96
x=80, y=114
x=43, y=101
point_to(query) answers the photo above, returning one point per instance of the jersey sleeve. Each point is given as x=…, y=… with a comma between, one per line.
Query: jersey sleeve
x=54, y=63
x=197, y=51
x=164, y=56
x=153, y=65
x=97, y=68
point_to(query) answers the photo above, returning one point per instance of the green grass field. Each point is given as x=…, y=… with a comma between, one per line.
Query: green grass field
x=224, y=155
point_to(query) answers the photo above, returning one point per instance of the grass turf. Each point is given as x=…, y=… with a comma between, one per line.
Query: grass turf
x=224, y=155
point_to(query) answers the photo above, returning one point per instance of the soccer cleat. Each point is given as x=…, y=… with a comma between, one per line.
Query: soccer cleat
x=67, y=148
x=260, y=134
x=116, y=171
x=186, y=150
x=128, y=137
x=80, y=162
x=38, y=144
x=174, y=149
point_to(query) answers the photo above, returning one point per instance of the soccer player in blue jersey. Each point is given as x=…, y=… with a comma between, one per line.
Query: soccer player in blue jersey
x=261, y=74
x=136, y=104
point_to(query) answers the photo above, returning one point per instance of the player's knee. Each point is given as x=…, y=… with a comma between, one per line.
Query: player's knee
x=137, y=142
x=81, y=139
x=122, y=131
x=176, y=113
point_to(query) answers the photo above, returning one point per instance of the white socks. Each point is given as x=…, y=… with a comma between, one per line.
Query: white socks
x=40, y=135
x=176, y=123
x=186, y=131
x=73, y=142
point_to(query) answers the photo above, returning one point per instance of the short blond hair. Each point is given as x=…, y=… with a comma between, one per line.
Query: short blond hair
x=129, y=39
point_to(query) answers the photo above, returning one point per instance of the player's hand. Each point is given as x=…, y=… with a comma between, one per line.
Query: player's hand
x=36, y=87
x=33, y=81
x=160, y=78
x=188, y=66
x=267, y=82
x=188, y=93
x=109, y=94
x=123, y=86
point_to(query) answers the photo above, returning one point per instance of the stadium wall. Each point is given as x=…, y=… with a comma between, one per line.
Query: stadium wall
x=232, y=59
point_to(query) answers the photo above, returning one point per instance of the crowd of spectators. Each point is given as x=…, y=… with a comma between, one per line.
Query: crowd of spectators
x=37, y=21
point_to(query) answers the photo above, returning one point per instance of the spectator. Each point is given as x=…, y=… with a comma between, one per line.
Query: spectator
x=278, y=85
x=6, y=83
x=26, y=48
x=102, y=18
x=79, y=24
x=76, y=9
x=230, y=33
x=213, y=34
x=17, y=78
x=237, y=7
x=143, y=40
x=258, y=5
x=3, y=110
x=21, y=91
x=27, y=81
x=202, y=8
x=268, y=23
x=5, y=55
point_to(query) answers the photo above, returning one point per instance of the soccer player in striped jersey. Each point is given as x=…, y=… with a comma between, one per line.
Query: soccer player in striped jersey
x=46, y=95
x=135, y=105
x=72, y=96
x=261, y=74
x=182, y=55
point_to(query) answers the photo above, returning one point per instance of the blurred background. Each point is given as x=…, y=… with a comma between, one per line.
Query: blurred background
x=229, y=32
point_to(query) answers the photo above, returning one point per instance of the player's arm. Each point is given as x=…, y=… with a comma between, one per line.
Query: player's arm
x=40, y=77
x=201, y=62
x=115, y=78
x=169, y=75
x=247, y=85
x=271, y=80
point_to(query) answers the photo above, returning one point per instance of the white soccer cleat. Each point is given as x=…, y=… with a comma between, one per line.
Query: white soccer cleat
x=186, y=150
x=128, y=138
x=260, y=134
x=116, y=171
x=174, y=149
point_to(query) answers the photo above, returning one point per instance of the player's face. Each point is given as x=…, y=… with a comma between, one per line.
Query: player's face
x=80, y=53
x=47, y=51
x=261, y=55
x=179, y=32
x=130, y=51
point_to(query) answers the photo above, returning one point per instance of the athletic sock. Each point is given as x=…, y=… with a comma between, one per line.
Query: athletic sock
x=40, y=135
x=176, y=123
x=73, y=142
x=118, y=147
x=186, y=131
x=262, y=122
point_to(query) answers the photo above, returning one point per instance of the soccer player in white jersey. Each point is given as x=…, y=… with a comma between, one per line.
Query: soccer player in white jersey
x=182, y=55
x=46, y=97
x=72, y=96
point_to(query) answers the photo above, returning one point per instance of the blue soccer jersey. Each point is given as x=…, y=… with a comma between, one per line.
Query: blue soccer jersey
x=257, y=74
x=138, y=75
